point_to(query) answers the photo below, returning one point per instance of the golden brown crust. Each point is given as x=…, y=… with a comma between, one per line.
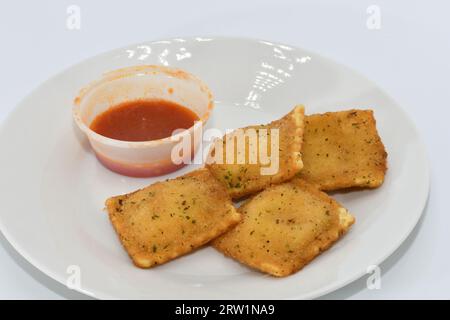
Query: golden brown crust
x=284, y=228
x=343, y=150
x=245, y=179
x=168, y=219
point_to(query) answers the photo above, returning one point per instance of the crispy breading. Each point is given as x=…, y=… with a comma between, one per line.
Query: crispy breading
x=343, y=150
x=168, y=219
x=285, y=227
x=244, y=178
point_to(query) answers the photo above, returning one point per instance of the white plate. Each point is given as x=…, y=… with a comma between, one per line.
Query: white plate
x=52, y=188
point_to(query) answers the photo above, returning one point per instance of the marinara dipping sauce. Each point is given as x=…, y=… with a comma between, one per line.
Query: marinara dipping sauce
x=130, y=114
x=143, y=120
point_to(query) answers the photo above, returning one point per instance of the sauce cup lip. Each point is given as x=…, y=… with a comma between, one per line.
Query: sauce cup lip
x=133, y=71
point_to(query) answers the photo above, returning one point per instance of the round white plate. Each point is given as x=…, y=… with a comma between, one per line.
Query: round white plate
x=53, y=189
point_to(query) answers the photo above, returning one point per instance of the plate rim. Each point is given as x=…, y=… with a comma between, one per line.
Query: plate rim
x=311, y=295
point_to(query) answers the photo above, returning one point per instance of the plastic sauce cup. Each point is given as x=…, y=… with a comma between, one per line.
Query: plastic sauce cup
x=146, y=82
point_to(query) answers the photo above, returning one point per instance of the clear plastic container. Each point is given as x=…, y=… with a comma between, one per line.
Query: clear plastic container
x=146, y=158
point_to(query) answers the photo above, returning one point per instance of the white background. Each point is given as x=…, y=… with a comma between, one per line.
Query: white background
x=409, y=57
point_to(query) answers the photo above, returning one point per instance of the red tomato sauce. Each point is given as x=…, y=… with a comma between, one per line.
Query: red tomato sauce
x=143, y=120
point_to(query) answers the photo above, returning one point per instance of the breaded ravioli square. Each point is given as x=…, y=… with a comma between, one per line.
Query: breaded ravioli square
x=242, y=178
x=171, y=218
x=285, y=227
x=343, y=150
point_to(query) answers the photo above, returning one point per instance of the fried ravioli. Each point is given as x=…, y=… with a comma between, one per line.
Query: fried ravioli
x=245, y=177
x=285, y=227
x=168, y=219
x=343, y=150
